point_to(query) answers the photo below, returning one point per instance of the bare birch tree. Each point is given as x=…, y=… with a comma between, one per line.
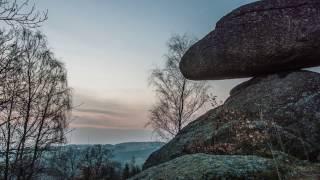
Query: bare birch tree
x=36, y=101
x=34, y=95
x=178, y=98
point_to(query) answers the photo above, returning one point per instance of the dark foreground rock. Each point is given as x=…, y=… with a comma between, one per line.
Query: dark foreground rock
x=203, y=166
x=273, y=112
x=266, y=36
x=231, y=167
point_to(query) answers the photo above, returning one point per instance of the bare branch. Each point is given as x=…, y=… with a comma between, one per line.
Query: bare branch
x=16, y=13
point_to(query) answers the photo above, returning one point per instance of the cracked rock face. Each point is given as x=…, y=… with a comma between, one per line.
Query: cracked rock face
x=263, y=37
x=292, y=101
x=279, y=112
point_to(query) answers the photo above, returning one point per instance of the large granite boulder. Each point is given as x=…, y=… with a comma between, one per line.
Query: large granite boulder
x=263, y=37
x=272, y=112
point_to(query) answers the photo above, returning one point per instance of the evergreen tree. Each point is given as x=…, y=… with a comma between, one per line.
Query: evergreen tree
x=126, y=171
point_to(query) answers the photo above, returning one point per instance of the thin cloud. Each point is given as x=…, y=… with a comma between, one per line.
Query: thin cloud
x=99, y=111
x=105, y=114
x=104, y=127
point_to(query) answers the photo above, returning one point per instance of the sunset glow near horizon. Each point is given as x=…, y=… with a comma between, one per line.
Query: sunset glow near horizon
x=109, y=48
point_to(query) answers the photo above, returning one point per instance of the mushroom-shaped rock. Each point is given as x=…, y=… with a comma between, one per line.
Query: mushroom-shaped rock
x=263, y=37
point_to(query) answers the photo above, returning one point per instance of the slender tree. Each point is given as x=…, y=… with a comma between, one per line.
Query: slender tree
x=134, y=168
x=178, y=98
x=126, y=171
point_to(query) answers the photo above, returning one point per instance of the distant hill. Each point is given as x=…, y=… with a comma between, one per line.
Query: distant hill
x=124, y=152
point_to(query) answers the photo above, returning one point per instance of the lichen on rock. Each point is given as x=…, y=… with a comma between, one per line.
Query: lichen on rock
x=227, y=167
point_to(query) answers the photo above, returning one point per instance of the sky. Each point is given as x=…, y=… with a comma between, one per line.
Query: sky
x=109, y=48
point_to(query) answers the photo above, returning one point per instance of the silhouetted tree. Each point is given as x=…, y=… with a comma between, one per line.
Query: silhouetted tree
x=88, y=163
x=35, y=101
x=14, y=49
x=178, y=98
x=97, y=164
x=134, y=168
x=126, y=171
x=112, y=171
x=64, y=163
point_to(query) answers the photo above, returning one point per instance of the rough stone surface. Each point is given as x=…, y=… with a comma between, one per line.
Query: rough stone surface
x=291, y=100
x=203, y=166
x=272, y=112
x=199, y=129
x=263, y=37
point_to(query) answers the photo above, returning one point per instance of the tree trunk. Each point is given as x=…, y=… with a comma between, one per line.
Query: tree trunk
x=181, y=108
x=6, y=172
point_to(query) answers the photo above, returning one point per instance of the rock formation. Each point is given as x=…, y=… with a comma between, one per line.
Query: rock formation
x=285, y=105
x=263, y=37
x=278, y=110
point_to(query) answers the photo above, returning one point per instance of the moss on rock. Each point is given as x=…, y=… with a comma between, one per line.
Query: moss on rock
x=204, y=166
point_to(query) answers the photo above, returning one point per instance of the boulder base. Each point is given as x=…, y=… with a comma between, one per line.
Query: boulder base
x=273, y=112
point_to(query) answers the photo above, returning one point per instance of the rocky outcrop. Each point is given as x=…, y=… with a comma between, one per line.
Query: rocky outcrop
x=278, y=110
x=193, y=132
x=263, y=37
x=273, y=112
